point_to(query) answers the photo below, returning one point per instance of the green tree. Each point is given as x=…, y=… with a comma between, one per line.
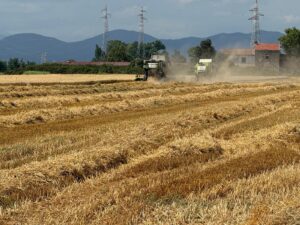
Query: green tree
x=30, y=63
x=204, y=50
x=14, y=64
x=3, y=66
x=158, y=45
x=132, y=51
x=177, y=57
x=22, y=64
x=208, y=50
x=291, y=41
x=99, y=54
x=17, y=64
x=153, y=48
x=117, y=51
x=195, y=54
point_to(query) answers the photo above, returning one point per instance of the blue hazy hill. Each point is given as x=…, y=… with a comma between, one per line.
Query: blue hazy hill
x=31, y=46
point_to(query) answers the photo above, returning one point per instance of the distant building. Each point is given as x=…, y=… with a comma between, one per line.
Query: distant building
x=244, y=57
x=267, y=56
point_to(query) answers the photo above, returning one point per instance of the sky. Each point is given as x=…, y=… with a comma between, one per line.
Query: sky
x=73, y=20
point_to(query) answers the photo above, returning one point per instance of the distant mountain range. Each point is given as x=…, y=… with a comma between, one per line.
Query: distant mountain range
x=3, y=36
x=32, y=46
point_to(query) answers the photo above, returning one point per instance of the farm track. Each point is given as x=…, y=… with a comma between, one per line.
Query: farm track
x=142, y=153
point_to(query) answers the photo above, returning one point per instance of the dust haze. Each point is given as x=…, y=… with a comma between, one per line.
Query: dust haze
x=226, y=73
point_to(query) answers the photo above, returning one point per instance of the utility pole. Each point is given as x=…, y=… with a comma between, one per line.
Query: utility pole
x=142, y=19
x=105, y=17
x=255, y=39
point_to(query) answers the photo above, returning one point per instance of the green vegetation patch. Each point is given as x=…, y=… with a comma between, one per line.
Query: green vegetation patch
x=33, y=72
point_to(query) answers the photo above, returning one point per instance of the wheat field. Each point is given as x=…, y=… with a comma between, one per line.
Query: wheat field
x=62, y=78
x=149, y=153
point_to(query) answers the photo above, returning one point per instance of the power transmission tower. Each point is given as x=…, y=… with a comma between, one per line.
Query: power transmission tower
x=105, y=17
x=142, y=19
x=44, y=57
x=255, y=39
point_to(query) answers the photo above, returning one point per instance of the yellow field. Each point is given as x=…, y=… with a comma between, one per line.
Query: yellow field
x=149, y=153
x=59, y=78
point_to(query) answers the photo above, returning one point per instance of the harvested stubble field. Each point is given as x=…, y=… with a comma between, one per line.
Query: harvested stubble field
x=60, y=78
x=149, y=153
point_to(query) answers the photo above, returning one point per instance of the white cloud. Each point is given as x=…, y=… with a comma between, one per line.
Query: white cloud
x=20, y=7
x=186, y=1
x=291, y=19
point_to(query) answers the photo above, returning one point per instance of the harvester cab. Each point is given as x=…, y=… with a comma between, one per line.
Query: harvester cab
x=203, y=67
x=155, y=67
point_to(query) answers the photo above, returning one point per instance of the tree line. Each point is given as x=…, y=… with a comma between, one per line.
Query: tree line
x=14, y=64
x=118, y=51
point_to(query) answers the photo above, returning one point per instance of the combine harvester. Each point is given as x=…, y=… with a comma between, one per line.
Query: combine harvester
x=155, y=67
x=204, y=68
x=158, y=67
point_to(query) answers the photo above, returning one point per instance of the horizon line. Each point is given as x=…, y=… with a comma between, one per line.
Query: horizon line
x=48, y=36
